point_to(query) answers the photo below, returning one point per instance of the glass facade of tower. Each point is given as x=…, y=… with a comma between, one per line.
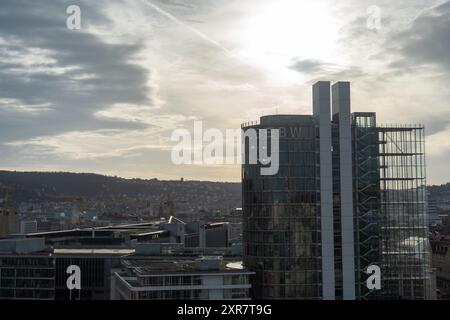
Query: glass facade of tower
x=337, y=236
x=405, y=247
x=378, y=207
x=281, y=215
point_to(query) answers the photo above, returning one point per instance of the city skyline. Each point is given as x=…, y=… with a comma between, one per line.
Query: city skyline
x=107, y=97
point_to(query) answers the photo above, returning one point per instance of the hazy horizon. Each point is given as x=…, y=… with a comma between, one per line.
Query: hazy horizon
x=150, y=178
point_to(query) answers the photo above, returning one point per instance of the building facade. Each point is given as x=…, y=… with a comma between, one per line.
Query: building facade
x=201, y=279
x=27, y=270
x=348, y=194
x=9, y=218
x=95, y=265
x=441, y=263
x=28, y=227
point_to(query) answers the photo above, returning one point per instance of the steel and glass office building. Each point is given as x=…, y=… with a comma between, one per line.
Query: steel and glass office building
x=348, y=194
x=282, y=215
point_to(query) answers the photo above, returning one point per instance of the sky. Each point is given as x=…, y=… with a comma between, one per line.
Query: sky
x=106, y=98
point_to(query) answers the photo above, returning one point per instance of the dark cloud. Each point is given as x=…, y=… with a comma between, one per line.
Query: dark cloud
x=427, y=41
x=423, y=49
x=177, y=3
x=97, y=74
x=436, y=124
x=307, y=65
x=318, y=69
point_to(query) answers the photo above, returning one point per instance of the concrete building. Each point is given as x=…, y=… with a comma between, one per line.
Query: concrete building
x=198, y=234
x=28, y=226
x=9, y=218
x=96, y=265
x=97, y=252
x=27, y=270
x=441, y=265
x=215, y=235
x=348, y=194
x=190, y=234
x=433, y=214
x=206, y=278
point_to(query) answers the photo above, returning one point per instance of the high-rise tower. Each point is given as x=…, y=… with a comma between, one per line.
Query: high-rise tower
x=348, y=194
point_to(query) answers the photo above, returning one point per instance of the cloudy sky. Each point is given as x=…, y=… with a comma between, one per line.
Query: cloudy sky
x=107, y=98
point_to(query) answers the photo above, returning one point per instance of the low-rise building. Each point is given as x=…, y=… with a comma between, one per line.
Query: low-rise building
x=441, y=265
x=30, y=269
x=9, y=218
x=27, y=270
x=205, y=278
x=28, y=226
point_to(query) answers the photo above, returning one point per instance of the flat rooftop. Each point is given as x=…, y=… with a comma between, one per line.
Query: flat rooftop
x=147, y=267
x=140, y=230
x=88, y=251
x=286, y=119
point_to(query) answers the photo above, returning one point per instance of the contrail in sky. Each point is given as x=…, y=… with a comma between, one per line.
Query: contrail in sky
x=193, y=30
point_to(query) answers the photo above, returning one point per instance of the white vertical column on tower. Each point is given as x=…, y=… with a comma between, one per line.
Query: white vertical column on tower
x=322, y=113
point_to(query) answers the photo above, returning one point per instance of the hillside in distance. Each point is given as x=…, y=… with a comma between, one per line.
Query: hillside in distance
x=440, y=193
x=42, y=186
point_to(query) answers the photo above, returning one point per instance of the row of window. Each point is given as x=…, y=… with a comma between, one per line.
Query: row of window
x=27, y=283
x=26, y=294
x=26, y=273
x=291, y=183
x=26, y=262
x=282, y=237
x=172, y=281
x=270, y=197
x=189, y=294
